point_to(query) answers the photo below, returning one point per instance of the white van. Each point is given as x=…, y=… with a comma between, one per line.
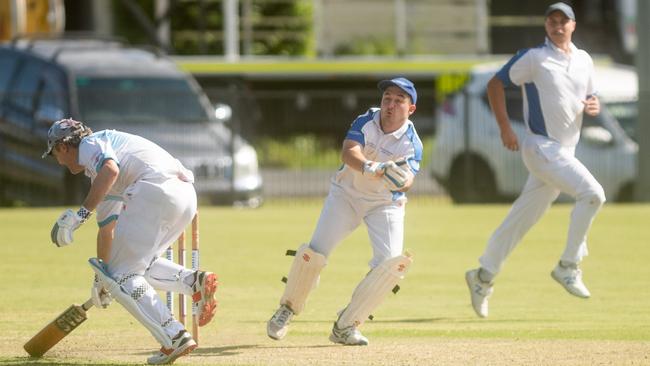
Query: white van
x=470, y=161
x=618, y=87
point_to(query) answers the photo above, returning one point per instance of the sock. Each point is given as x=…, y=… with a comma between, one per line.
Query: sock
x=565, y=264
x=190, y=280
x=485, y=276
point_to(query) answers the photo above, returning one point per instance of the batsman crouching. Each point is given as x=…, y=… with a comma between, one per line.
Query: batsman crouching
x=381, y=155
x=149, y=198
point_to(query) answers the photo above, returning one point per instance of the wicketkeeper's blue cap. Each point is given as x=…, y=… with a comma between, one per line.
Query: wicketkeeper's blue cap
x=561, y=7
x=402, y=83
x=60, y=131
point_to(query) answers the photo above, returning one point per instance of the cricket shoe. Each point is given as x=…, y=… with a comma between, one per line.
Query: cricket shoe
x=182, y=344
x=480, y=292
x=278, y=326
x=571, y=279
x=350, y=336
x=204, y=289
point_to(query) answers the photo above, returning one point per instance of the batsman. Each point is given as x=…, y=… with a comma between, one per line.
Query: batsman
x=381, y=154
x=149, y=198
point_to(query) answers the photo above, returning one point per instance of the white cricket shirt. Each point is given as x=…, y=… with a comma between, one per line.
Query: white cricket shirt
x=378, y=146
x=137, y=158
x=554, y=84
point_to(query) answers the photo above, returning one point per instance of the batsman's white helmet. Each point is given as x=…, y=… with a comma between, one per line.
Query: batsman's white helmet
x=62, y=131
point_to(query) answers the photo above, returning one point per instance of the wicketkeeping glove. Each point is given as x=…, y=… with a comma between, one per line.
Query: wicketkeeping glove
x=100, y=296
x=396, y=174
x=68, y=222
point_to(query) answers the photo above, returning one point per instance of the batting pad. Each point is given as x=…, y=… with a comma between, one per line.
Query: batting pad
x=303, y=277
x=132, y=300
x=372, y=290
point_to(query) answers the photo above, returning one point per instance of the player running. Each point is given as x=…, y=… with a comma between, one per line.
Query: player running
x=159, y=201
x=381, y=155
x=556, y=80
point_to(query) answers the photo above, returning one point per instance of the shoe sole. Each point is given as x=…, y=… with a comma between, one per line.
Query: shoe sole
x=184, y=352
x=209, y=306
x=558, y=280
x=274, y=337
x=471, y=294
x=191, y=347
x=336, y=340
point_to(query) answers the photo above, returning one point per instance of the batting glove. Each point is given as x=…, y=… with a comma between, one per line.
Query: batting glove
x=373, y=169
x=100, y=296
x=68, y=222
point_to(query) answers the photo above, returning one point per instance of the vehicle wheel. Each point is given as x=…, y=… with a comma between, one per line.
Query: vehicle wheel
x=472, y=181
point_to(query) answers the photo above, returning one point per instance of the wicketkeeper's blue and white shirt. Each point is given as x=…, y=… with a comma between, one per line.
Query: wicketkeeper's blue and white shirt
x=378, y=146
x=554, y=84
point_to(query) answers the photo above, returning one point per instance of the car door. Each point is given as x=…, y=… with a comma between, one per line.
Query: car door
x=33, y=92
x=609, y=156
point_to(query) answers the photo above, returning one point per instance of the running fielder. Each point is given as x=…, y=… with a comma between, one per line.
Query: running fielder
x=381, y=155
x=159, y=201
x=556, y=80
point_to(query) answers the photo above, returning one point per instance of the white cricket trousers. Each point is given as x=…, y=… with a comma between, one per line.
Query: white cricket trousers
x=553, y=169
x=342, y=214
x=154, y=216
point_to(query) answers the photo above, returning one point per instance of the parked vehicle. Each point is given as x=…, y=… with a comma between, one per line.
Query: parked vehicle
x=111, y=86
x=471, y=163
x=618, y=87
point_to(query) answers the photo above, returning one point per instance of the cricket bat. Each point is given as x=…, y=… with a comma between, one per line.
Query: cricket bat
x=60, y=327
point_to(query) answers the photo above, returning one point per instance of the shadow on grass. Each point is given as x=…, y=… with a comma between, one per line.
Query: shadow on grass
x=27, y=361
x=331, y=321
x=234, y=349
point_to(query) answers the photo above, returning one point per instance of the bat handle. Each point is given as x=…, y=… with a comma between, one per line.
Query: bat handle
x=88, y=304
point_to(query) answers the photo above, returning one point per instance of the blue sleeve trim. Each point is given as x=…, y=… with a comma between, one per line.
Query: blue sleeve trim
x=107, y=220
x=414, y=161
x=504, y=73
x=355, y=132
x=113, y=198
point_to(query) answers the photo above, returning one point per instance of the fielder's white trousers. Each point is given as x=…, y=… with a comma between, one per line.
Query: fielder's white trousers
x=342, y=214
x=553, y=169
x=155, y=214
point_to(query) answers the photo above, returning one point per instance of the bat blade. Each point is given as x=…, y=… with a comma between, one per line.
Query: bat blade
x=60, y=327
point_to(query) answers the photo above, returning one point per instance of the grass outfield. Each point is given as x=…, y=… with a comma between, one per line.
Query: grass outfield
x=430, y=322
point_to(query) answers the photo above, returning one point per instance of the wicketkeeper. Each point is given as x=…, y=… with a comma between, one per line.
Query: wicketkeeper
x=149, y=197
x=381, y=155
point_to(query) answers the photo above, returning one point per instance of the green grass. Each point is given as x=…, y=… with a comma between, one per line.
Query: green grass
x=246, y=248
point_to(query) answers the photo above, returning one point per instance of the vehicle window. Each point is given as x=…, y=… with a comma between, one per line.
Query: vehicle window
x=26, y=85
x=7, y=65
x=51, y=105
x=626, y=113
x=514, y=103
x=139, y=100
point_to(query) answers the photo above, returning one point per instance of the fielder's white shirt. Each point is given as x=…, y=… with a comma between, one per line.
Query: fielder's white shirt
x=378, y=146
x=554, y=84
